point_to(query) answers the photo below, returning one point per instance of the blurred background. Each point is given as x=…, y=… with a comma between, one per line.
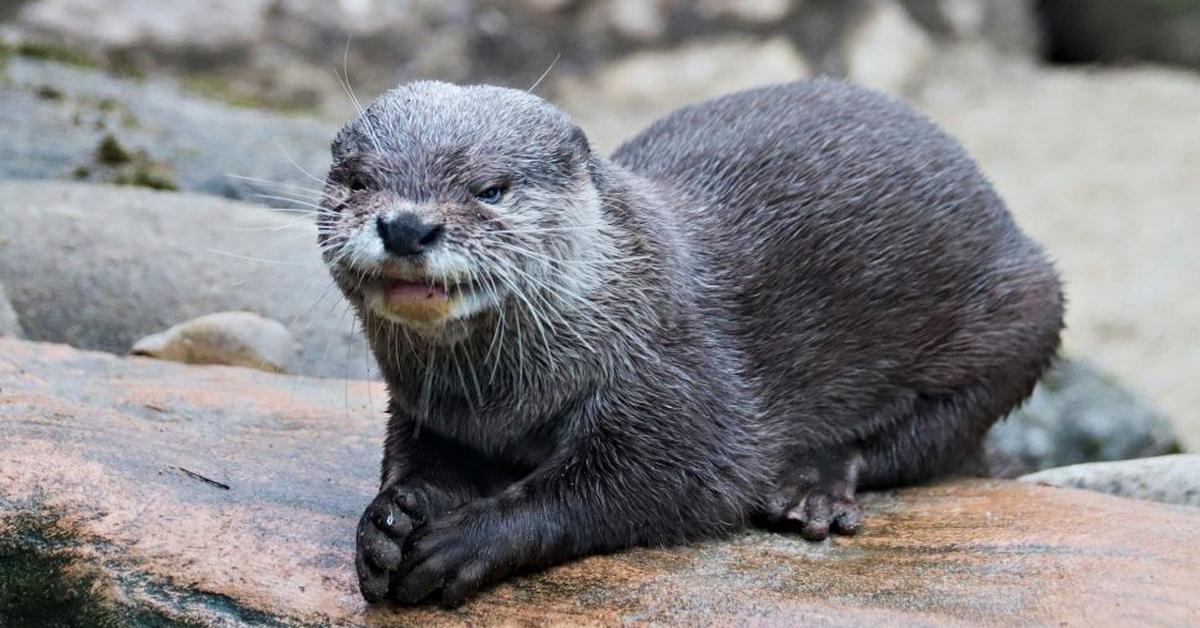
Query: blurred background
x=1084, y=113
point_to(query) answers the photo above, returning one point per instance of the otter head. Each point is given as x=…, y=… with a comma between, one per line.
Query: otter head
x=445, y=204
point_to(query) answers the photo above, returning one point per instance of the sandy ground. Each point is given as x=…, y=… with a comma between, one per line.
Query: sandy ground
x=1103, y=167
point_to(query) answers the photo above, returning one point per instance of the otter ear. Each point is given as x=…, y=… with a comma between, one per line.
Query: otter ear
x=580, y=144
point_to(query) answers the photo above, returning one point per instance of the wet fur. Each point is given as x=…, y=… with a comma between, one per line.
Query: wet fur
x=759, y=304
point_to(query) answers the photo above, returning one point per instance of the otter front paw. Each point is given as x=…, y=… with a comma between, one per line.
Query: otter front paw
x=382, y=531
x=458, y=554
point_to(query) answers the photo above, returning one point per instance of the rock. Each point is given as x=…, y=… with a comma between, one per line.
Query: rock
x=285, y=52
x=750, y=11
x=10, y=325
x=1168, y=479
x=101, y=266
x=195, y=255
x=638, y=19
x=630, y=93
x=152, y=134
x=700, y=70
x=887, y=49
x=1011, y=26
x=163, y=493
x=231, y=338
x=1077, y=414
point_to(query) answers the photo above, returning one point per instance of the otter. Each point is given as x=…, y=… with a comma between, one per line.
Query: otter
x=760, y=305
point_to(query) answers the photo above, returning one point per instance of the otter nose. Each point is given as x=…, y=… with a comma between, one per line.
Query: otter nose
x=404, y=234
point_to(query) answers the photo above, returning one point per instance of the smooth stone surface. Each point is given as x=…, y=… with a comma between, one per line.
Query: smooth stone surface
x=1078, y=414
x=229, y=338
x=99, y=267
x=887, y=49
x=54, y=118
x=1168, y=479
x=102, y=467
x=10, y=325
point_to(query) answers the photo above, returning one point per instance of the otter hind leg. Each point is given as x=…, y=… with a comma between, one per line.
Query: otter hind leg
x=939, y=433
x=815, y=495
x=943, y=432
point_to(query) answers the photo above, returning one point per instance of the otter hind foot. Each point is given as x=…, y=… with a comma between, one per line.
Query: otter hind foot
x=815, y=496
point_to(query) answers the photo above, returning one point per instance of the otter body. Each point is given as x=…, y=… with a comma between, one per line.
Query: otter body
x=759, y=305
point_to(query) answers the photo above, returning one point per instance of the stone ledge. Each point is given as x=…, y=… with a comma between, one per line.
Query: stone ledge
x=111, y=490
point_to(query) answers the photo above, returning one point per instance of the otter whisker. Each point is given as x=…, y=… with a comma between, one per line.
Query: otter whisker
x=304, y=172
x=537, y=314
x=553, y=260
x=345, y=81
x=498, y=330
x=276, y=184
x=264, y=260
x=544, y=74
x=317, y=209
x=558, y=312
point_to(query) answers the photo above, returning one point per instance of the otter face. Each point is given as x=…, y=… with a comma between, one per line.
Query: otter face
x=445, y=203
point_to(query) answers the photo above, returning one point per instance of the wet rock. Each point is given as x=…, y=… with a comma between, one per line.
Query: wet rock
x=100, y=267
x=1168, y=479
x=231, y=338
x=887, y=49
x=167, y=493
x=10, y=325
x=150, y=134
x=1077, y=414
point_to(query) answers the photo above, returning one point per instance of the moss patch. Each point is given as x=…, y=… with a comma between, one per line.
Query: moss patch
x=110, y=152
x=60, y=54
x=44, y=583
x=128, y=167
x=48, y=92
x=148, y=176
x=39, y=585
x=221, y=90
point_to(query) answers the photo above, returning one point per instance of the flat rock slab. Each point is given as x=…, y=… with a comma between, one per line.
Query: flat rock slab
x=148, y=491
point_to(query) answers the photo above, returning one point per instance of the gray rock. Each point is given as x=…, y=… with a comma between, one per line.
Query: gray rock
x=10, y=325
x=230, y=338
x=63, y=122
x=886, y=49
x=101, y=266
x=1077, y=414
x=1169, y=479
x=287, y=51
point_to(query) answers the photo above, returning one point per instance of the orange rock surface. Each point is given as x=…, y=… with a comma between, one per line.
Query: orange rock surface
x=229, y=496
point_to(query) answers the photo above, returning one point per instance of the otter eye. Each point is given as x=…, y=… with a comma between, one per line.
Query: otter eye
x=358, y=182
x=491, y=195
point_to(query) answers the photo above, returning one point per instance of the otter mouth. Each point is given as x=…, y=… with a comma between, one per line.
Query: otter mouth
x=419, y=300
